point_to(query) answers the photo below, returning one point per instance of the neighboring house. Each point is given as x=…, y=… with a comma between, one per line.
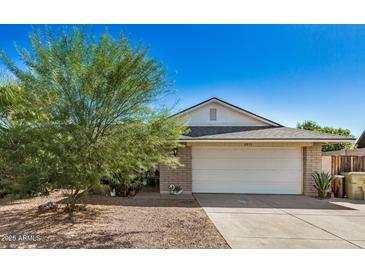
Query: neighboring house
x=232, y=150
x=361, y=141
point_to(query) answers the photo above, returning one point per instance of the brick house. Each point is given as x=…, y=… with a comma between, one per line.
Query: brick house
x=232, y=150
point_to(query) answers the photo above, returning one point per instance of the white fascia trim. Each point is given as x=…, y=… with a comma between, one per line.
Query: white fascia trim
x=267, y=140
x=231, y=107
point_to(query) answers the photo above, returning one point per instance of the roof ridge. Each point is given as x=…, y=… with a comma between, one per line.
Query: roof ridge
x=326, y=133
x=232, y=106
x=259, y=132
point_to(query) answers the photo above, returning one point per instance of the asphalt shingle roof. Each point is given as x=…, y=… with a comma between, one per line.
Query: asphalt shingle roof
x=361, y=142
x=256, y=133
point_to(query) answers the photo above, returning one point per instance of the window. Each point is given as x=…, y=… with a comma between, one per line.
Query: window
x=213, y=114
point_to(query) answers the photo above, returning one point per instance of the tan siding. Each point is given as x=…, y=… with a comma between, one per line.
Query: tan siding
x=327, y=164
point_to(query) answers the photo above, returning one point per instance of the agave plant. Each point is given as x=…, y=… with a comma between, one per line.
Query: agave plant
x=322, y=183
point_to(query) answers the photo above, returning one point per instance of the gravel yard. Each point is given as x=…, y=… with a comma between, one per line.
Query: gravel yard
x=108, y=222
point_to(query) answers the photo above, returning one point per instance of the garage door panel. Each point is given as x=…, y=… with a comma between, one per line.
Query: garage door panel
x=253, y=188
x=238, y=183
x=248, y=175
x=246, y=164
x=250, y=188
x=251, y=170
x=246, y=153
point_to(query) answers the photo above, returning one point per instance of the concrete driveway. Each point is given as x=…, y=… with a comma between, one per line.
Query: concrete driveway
x=286, y=221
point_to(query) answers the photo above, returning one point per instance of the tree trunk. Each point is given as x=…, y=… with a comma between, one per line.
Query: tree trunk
x=74, y=197
x=72, y=200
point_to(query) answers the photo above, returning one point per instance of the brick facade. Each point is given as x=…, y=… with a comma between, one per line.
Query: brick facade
x=312, y=161
x=181, y=175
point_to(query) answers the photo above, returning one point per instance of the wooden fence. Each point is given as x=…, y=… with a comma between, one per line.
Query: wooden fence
x=347, y=163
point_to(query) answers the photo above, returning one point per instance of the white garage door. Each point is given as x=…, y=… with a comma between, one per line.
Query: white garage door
x=247, y=170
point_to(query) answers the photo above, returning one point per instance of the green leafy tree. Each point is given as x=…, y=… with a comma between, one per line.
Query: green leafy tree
x=81, y=109
x=311, y=125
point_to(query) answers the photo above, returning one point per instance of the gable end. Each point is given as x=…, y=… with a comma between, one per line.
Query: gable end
x=216, y=112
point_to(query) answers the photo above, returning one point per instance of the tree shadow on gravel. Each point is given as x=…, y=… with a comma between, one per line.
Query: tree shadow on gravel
x=46, y=226
x=133, y=202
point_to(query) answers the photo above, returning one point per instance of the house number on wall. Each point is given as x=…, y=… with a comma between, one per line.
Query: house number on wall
x=247, y=144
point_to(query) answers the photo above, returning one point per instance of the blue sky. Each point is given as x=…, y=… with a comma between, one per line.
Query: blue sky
x=287, y=73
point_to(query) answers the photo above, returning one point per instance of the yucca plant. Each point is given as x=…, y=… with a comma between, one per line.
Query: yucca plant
x=322, y=183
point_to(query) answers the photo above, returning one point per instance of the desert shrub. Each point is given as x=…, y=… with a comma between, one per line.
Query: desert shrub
x=4, y=189
x=23, y=187
x=100, y=189
x=123, y=184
